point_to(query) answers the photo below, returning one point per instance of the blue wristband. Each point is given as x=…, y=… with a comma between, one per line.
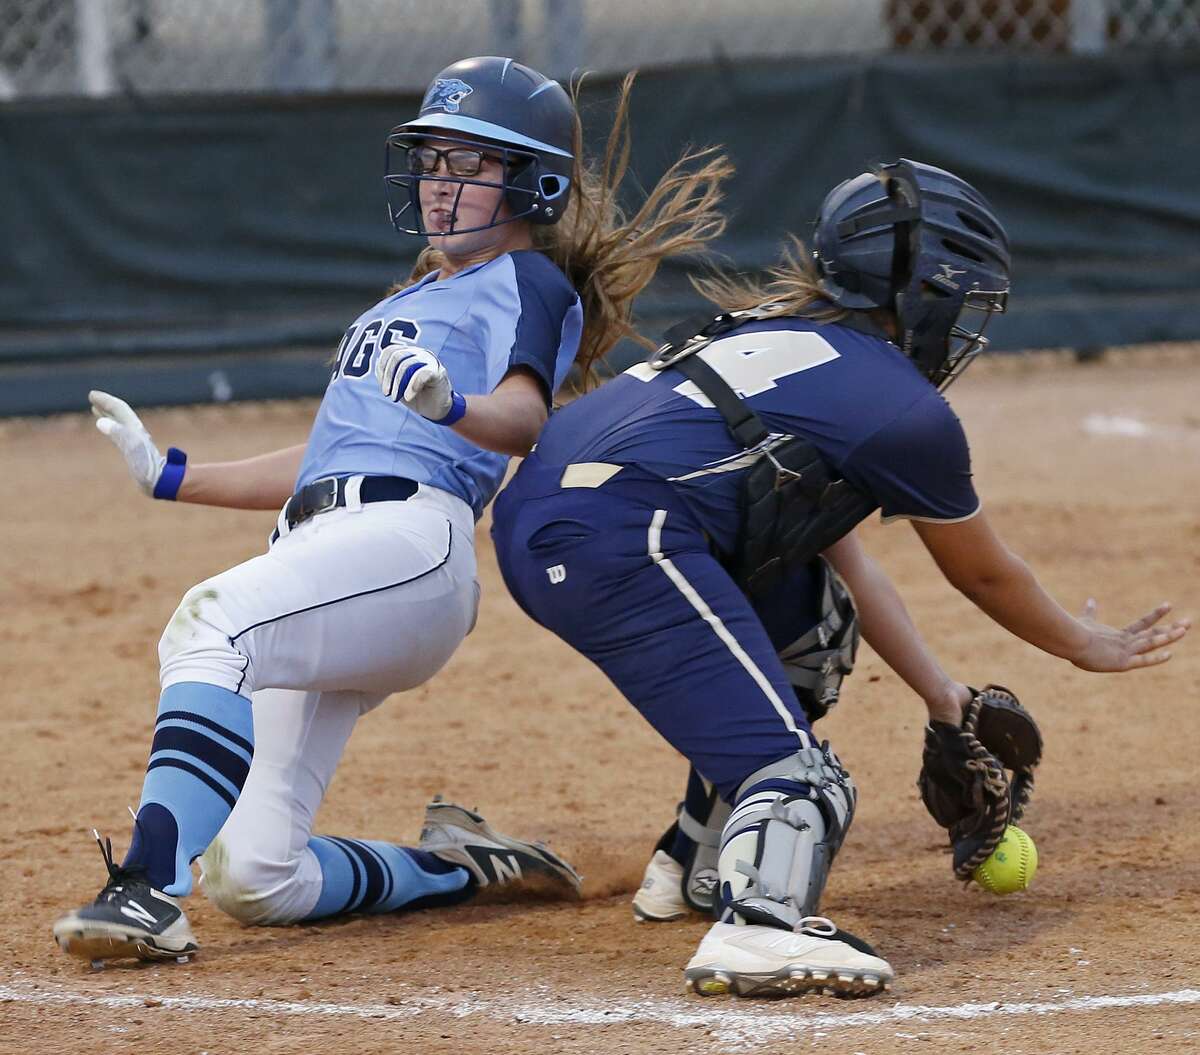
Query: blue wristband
x=172, y=475
x=458, y=407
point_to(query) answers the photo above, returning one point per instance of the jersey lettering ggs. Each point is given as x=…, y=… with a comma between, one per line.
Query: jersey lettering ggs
x=359, y=429
x=358, y=346
x=515, y=310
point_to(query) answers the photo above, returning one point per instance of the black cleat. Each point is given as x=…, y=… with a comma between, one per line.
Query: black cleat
x=129, y=918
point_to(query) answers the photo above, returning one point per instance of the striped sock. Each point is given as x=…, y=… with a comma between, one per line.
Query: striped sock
x=358, y=875
x=203, y=744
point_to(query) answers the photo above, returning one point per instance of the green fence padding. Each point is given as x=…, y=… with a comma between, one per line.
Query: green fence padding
x=174, y=231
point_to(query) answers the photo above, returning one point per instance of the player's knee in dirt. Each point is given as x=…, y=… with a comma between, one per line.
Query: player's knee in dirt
x=243, y=884
x=196, y=646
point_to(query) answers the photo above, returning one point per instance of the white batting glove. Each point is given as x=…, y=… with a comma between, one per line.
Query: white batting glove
x=415, y=377
x=156, y=475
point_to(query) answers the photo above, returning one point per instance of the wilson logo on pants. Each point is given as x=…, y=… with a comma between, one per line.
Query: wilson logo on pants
x=557, y=573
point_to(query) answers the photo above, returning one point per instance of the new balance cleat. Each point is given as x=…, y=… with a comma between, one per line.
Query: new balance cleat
x=129, y=918
x=460, y=837
x=753, y=960
x=660, y=897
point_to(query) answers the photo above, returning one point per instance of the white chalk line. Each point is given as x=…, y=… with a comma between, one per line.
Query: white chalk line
x=1135, y=428
x=727, y=1022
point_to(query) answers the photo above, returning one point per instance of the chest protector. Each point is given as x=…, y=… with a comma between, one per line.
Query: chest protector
x=793, y=506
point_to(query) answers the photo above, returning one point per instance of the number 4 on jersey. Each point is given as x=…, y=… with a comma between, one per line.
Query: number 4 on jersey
x=751, y=363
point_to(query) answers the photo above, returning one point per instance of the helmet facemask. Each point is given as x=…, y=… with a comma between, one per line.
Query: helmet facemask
x=966, y=339
x=943, y=334
x=403, y=184
x=501, y=108
x=930, y=250
x=941, y=323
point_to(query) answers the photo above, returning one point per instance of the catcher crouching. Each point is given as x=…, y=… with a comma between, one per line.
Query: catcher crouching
x=689, y=527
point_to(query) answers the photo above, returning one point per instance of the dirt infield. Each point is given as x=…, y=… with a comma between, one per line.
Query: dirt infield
x=1091, y=472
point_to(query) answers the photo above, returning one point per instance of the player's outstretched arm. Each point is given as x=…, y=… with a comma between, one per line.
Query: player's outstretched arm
x=264, y=482
x=887, y=627
x=978, y=564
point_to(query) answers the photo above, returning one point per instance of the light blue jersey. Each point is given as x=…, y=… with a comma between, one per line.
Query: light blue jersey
x=515, y=310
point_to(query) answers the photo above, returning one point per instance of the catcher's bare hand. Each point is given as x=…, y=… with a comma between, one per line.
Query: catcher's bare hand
x=1140, y=644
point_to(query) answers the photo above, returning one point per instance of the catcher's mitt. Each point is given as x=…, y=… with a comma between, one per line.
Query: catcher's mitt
x=963, y=781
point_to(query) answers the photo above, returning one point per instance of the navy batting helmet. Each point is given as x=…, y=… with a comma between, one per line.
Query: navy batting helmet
x=923, y=243
x=508, y=109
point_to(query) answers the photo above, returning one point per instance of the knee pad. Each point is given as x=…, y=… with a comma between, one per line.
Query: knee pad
x=817, y=661
x=196, y=645
x=786, y=827
x=694, y=840
x=253, y=890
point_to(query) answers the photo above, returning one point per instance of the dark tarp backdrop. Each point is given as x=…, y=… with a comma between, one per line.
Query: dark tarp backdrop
x=183, y=250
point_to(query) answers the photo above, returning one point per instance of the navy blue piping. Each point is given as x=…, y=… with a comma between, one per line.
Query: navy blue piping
x=351, y=597
x=245, y=667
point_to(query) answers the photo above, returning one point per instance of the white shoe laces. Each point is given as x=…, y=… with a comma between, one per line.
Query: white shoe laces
x=817, y=926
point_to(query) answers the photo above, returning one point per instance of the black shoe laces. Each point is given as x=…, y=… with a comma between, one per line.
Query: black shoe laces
x=118, y=878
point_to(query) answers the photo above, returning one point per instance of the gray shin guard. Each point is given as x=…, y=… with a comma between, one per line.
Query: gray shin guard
x=781, y=838
x=700, y=876
x=695, y=839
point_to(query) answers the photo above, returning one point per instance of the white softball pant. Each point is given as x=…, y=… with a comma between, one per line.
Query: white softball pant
x=350, y=606
x=370, y=598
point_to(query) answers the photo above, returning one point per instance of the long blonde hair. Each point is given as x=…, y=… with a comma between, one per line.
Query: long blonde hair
x=791, y=287
x=609, y=257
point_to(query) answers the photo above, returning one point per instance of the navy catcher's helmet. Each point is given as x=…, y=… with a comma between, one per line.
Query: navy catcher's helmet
x=925, y=244
x=504, y=107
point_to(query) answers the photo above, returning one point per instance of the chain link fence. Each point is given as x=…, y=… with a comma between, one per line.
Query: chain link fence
x=105, y=47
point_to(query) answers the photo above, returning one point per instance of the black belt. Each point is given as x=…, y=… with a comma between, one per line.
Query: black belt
x=329, y=492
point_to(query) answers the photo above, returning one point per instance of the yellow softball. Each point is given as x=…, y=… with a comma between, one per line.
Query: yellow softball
x=1012, y=865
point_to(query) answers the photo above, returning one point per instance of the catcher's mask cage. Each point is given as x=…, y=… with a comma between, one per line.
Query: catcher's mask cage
x=505, y=110
x=922, y=242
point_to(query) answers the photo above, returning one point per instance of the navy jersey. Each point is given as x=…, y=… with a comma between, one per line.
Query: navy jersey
x=858, y=399
x=515, y=310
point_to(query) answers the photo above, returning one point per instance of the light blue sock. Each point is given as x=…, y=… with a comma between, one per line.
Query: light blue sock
x=366, y=876
x=203, y=744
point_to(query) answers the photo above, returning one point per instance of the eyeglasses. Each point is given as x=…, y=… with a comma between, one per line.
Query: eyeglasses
x=460, y=161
